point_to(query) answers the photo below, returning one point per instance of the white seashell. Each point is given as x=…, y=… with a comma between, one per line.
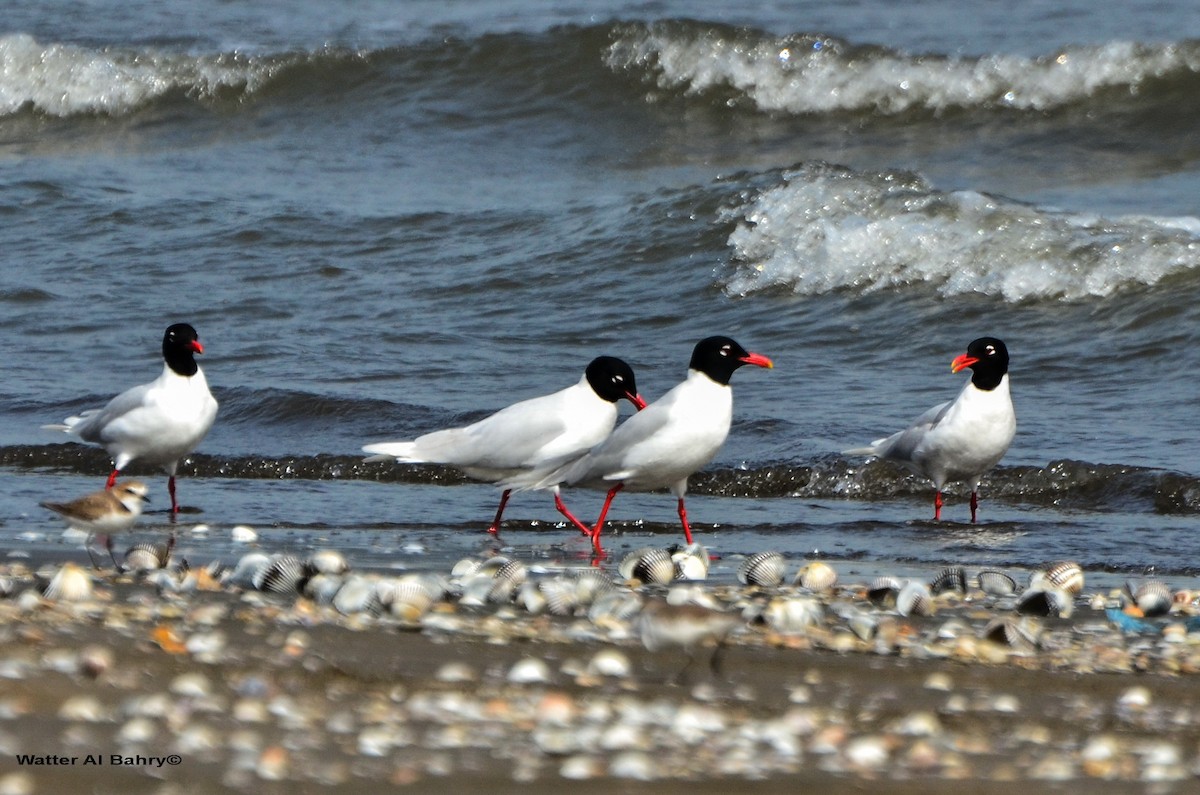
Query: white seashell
x=764, y=569
x=793, y=615
x=464, y=568
x=147, y=556
x=531, y=597
x=327, y=561
x=243, y=534
x=243, y=573
x=816, y=576
x=1045, y=600
x=691, y=562
x=321, y=588
x=996, y=583
x=357, y=595
x=590, y=584
x=914, y=599
x=649, y=565
x=69, y=584
x=561, y=596
x=457, y=672
x=610, y=663
x=406, y=599
x=614, y=606
x=506, y=580
x=530, y=671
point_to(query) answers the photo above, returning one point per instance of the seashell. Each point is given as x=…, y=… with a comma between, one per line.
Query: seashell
x=863, y=624
x=357, y=595
x=284, y=574
x=614, y=606
x=7, y=587
x=762, y=568
x=1152, y=597
x=1045, y=600
x=327, y=561
x=1018, y=633
x=996, y=583
x=691, y=562
x=590, y=584
x=649, y=565
x=693, y=595
x=531, y=597
x=793, y=614
x=949, y=579
x=561, y=596
x=321, y=588
x=247, y=566
x=147, y=556
x=506, y=580
x=1065, y=575
x=883, y=590
x=816, y=576
x=914, y=599
x=464, y=568
x=610, y=663
x=530, y=671
x=406, y=599
x=69, y=584
x=243, y=534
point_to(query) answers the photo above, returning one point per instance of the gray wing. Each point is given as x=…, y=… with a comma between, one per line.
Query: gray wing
x=91, y=425
x=903, y=445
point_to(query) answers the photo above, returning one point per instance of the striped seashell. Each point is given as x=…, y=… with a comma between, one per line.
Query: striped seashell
x=147, y=556
x=764, y=569
x=1065, y=575
x=327, y=561
x=7, y=587
x=816, y=576
x=590, y=584
x=464, y=568
x=691, y=562
x=996, y=583
x=69, y=584
x=406, y=599
x=614, y=606
x=1044, y=600
x=1022, y=634
x=883, y=590
x=793, y=614
x=1152, y=597
x=506, y=580
x=914, y=599
x=358, y=594
x=284, y=574
x=951, y=579
x=649, y=565
x=561, y=595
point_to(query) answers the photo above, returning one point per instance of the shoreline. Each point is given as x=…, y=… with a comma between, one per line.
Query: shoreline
x=255, y=689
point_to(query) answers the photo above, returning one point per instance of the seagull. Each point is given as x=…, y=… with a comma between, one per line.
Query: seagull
x=962, y=438
x=669, y=440
x=530, y=438
x=107, y=511
x=159, y=422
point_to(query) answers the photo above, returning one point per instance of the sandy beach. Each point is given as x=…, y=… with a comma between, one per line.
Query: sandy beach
x=177, y=682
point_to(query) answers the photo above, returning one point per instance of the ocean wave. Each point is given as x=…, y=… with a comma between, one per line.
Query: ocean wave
x=61, y=79
x=1066, y=484
x=812, y=73
x=827, y=228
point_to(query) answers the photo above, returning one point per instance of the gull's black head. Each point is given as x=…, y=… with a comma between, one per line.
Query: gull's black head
x=718, y=357
x=988, y=359
x=180, y=345
x=612, y=380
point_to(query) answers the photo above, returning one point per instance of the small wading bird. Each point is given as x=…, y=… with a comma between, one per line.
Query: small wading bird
x=668, y=441
x=104, y=512
x=661, y=625
x=159, y=422
x=963, y=438
x=530, y=438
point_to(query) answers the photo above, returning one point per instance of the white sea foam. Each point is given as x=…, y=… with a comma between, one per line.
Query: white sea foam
x=64, y=79
x=827, y=229
x=812, y=74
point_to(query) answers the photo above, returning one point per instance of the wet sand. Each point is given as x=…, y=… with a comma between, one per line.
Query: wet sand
x=264, y=692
